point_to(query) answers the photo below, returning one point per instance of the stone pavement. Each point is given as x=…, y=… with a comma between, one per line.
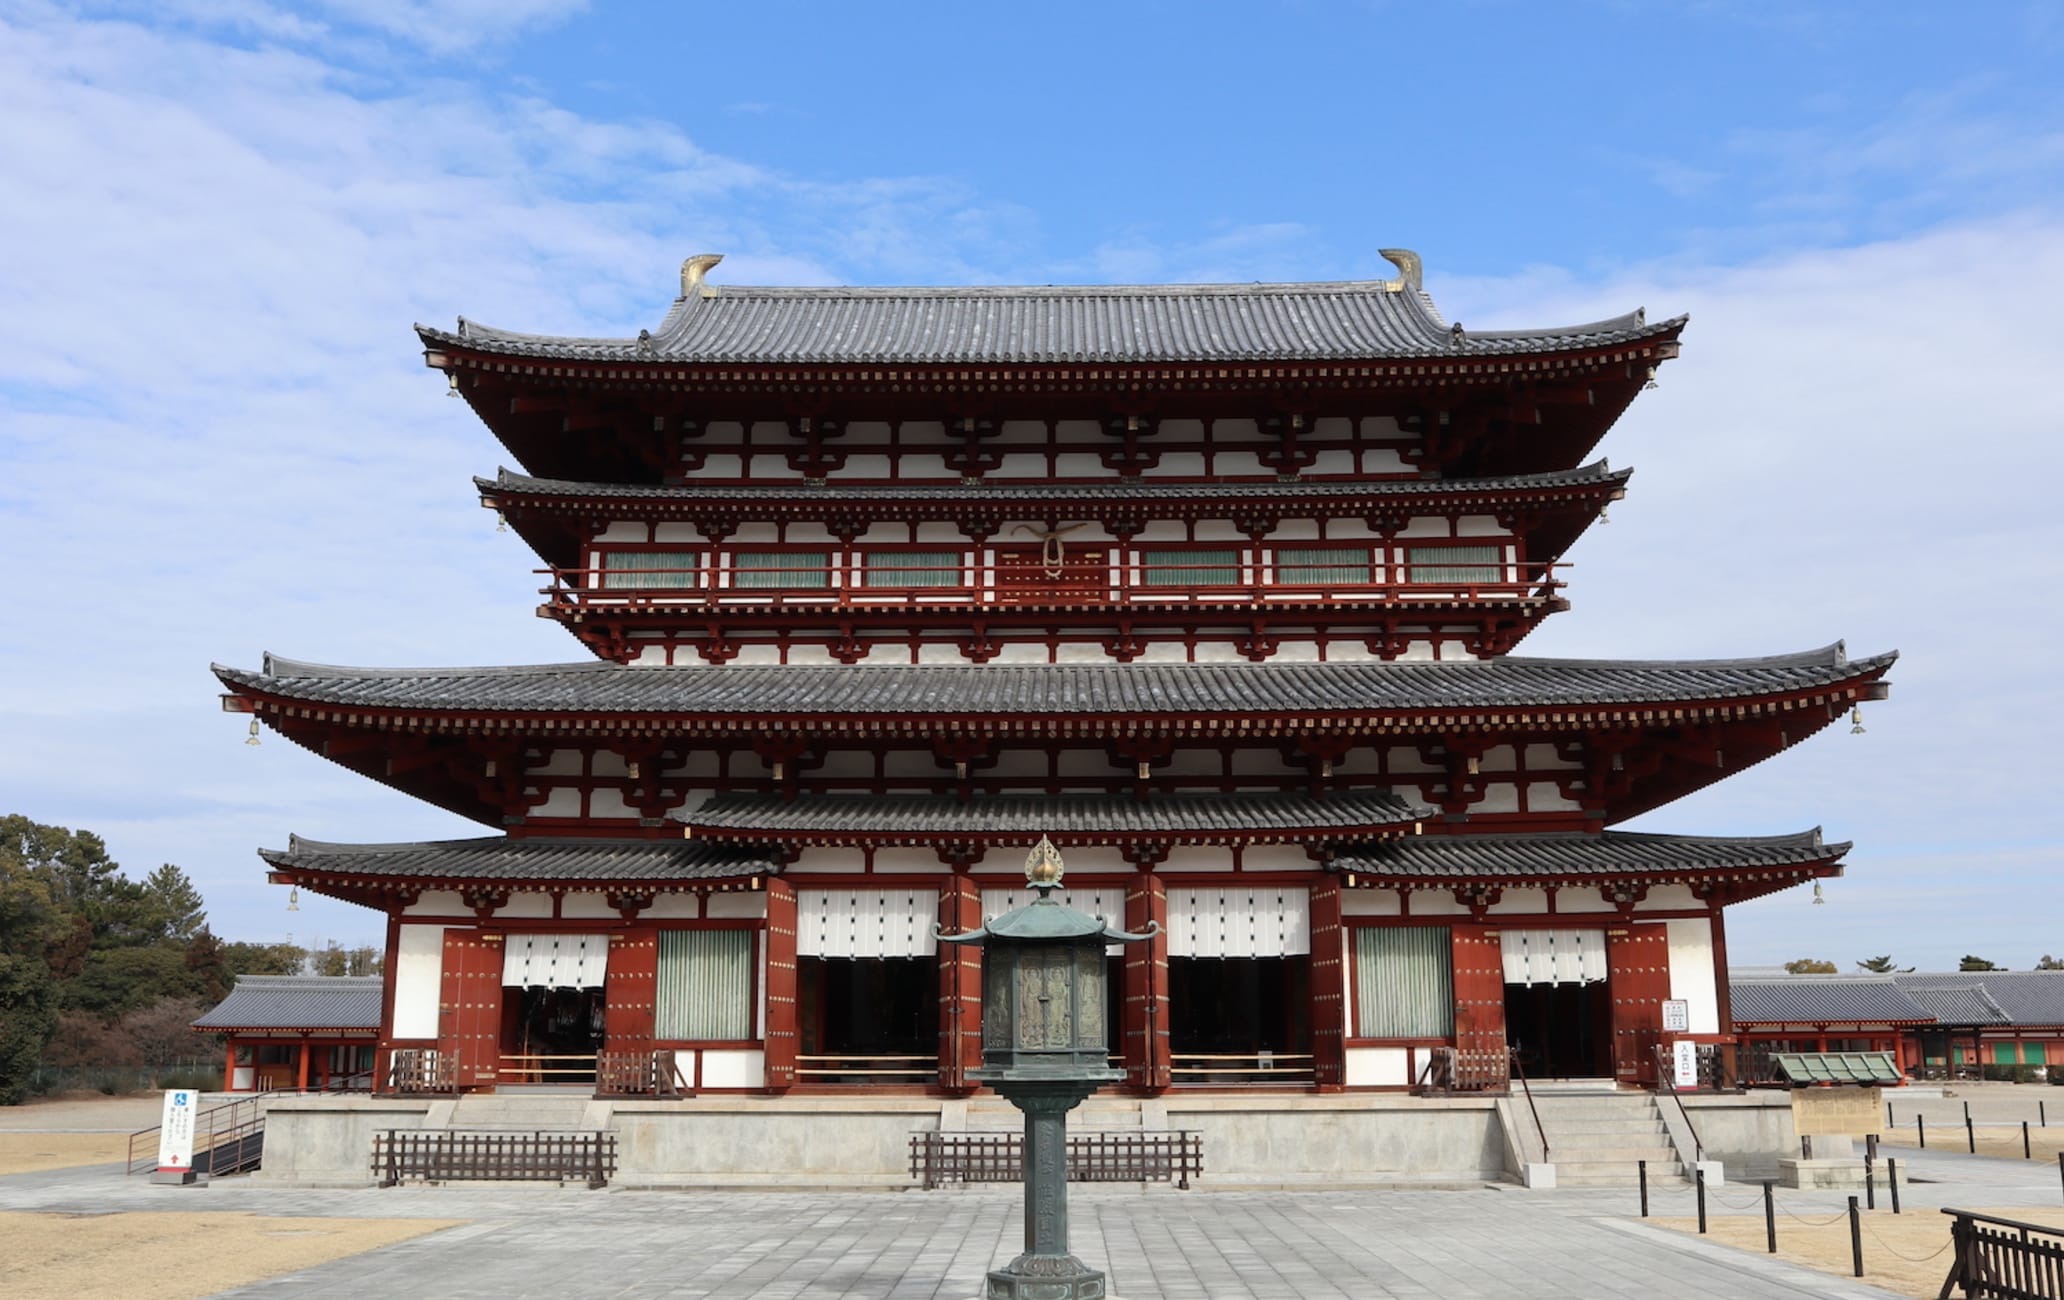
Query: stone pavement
x=1158, y=1245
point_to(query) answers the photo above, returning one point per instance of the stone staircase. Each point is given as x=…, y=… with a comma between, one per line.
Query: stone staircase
x=537, y=1112
x=1596, y=1139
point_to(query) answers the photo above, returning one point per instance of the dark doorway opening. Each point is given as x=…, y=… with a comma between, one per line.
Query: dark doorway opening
x=868, y=1020
x=551, y=1035
x=1561, y=1031
x=1240, y=1019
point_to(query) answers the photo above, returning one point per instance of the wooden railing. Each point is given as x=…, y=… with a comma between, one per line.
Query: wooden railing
x=847, y=585
x=1449, y=1069
x=446, y=1156
x=2003, y=1259
x=639, y=1074
x=1123, y=1157
x=867, y=1068
x=532, y=1068
x=1236, y=1068
x=418, y=1070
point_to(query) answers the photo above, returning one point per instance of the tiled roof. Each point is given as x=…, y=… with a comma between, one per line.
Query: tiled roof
x=1342, y=321
x=497, y=858
x=1966, y=1005
x=1577, y=853
x=1839, y=1067
x=1822, y=999
x=1181, y=816
x=1011, y=491
x=2031, y=997
x=1055, y=689
x=298, y=1002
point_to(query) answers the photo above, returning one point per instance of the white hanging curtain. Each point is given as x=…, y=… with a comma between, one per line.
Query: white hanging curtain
x=555, y=961
x=1553, y=956
x=1248, y=921
x=866, y=922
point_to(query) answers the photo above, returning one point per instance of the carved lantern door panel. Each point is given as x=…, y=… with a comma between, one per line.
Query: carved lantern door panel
x=469, y=1021
x=1039, y=575
x=1328, y=985
x=1638, y=964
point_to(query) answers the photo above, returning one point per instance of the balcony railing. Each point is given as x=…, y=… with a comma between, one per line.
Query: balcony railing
x=854, y=587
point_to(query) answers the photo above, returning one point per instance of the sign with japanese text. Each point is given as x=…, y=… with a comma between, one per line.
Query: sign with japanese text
x=1837, y=1112
x=1676, y=1016
x=1686, y=1063
x=176, y=1130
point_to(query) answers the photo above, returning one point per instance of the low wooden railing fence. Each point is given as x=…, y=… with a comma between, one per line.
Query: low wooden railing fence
x=2004, y=1259
x=419, y=1070
x=448, y=1156
x=1122, y=1157
x=639, y=1074
x=1255, y=1068
x=1449, y=1069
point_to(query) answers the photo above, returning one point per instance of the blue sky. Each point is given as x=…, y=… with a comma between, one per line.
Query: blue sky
x=221, y=217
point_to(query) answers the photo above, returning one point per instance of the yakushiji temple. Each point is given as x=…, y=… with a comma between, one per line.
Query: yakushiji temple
x=1218, y=587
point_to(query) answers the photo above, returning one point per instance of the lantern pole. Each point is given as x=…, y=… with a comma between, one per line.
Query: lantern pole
x=1045, y=1047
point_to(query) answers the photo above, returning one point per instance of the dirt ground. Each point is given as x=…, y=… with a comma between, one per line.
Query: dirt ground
x=173, y=1256
x=84, y=1112
x=1907, y=1254
x=28, y=1153
x=2044, y=1143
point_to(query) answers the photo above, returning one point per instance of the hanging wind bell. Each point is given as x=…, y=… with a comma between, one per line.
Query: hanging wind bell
x=1856, y=720
x=252, y=739
x=294, y=899
x=1651, y=379
x=1818, y=897
x=501, y=522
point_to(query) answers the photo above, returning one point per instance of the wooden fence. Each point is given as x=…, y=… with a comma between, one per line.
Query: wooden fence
x=1124, y=1157
x=2004, y=1259
x=446, y=1156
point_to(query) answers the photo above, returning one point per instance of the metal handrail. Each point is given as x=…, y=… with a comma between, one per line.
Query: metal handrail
x=1519, y=1069
x=1666, y=1074
x=216, y=1126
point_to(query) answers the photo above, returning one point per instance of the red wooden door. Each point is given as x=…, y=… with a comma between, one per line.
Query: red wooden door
x=628, y=1003
x=783, y=1023
x=1638, y=965
x=960, y=985
x=469, y=1020
x=1479, y=994
x=1328, y=986
x=1025, y=577
x=1145, y=1009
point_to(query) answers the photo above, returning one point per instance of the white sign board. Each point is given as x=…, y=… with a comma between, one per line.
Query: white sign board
x=176, y=1130
x=1676, y=1016
x=1686, y=1075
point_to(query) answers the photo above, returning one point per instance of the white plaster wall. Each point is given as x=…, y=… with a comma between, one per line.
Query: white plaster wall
x=1274, y=857
x=673, y=907
x=738, y=906
x=608, y=802
x=829, y=861
x=896, y=862
x=1520, y=902
x=529, y=905
x=586, y=906
x=1426, y=902
x=438, y=902
x=1581, y=900
x=1691, y=972
x=418, y=980
x=1546, y=796
x=1378, y=1067
x=562, y=801
x=563, y=762
x=623, y=530
x=1498, y=797
x=1668, y=898
x=1370, y=902
x=676, y=532
x=734, y=1069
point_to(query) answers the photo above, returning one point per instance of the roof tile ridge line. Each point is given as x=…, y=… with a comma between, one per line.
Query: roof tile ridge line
x=1376, y=290
x=1834, y=655
x=277, y=665
x=1625, y=322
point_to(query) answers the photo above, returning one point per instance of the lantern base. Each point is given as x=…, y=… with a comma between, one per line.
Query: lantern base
x=1046, y=1277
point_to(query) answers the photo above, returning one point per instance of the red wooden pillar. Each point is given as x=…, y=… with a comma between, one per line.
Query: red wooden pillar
x=1145, y=1022
x=1638, y=968
x=783, y=1014
x=469, y=1012
x=229, y=1067
x=1730, y=1051
x=301, y=1067
x=383, y=1046
x=960, y=985
x=1479, y=958
x=630, y=998
x=1328, y=986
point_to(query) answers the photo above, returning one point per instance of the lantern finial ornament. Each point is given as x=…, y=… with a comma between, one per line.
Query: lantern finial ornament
x=1043, y=866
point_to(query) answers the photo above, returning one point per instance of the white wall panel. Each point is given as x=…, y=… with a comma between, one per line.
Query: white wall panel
x=1691, y=972
x=734, y=1069
x=1378, y=1067
x=418, y=980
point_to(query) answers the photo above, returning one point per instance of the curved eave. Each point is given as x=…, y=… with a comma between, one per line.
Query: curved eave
x=333, y=1031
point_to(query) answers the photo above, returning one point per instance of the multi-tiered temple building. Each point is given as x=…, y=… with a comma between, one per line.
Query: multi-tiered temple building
x=1216, y=586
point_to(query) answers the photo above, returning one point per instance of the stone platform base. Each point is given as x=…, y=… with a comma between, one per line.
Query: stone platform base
x=1838, y=1174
